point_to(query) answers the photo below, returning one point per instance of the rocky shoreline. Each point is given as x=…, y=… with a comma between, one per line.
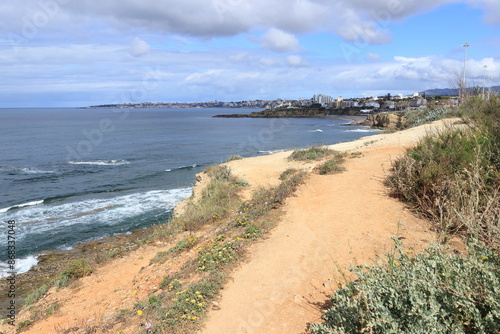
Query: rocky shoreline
x=390, y=120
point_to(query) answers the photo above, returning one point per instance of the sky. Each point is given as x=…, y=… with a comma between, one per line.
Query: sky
x=73, y=53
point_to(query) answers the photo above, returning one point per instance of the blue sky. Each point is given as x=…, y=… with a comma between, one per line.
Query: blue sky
x=70, y=53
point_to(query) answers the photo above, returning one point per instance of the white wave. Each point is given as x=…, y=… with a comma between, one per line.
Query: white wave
x=21, y=266
x=101, y=162
x=26, y=170
x=31, y=170
x=363, y=130
x=182, y=167
x=21, y=206
x=271, y=152
x=317, y=130
x=51, y=218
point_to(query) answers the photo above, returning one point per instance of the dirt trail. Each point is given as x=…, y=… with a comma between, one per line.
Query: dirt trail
x=334, y=221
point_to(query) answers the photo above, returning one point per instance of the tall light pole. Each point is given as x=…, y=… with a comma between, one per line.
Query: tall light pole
x=464, y=82
x=484, y=78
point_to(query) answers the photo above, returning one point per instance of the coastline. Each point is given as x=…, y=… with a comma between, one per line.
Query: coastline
x=261, y=171
x=49, y=262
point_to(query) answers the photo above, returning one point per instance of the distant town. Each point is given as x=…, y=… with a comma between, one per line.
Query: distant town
x=436, y=97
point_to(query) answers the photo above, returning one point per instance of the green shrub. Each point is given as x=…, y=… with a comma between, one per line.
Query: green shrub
x=75, y=269
x=333, y=165
x=215, y=255
x=252, y=232
x=218, y=198
x=190, y=305
x=219, y=173
x=36, y=295
x=435, y=292
x=415, y=117
x=484, y=115
x=234, y=157
x=452, y=178
x=266, y=199
x=287, y=173
x=184, y=244
x=153, y=299
x=24, y=324
x=241, y=182
x=171, y=282
x=311, y=153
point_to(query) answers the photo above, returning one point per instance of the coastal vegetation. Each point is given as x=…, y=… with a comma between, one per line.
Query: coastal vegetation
x=332, y=165
x=234, y=157
x=311, y=154
x=452, y=178
x=415, y=117
x=432, y=292
x=218, y=199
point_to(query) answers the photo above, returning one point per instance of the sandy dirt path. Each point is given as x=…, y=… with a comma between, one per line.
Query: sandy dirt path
x=334, y=221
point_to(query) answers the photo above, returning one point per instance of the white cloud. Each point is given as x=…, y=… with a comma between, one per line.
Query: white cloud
x=363, y=21
x=491, y=9
x=279, y=41
x=240, y=57
x=356, y=20
x=268, y=61
x=138, y=47
x=373, y=56
x=295, y=60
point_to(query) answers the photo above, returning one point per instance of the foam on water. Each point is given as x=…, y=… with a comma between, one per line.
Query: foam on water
x=101, y=162
x=363, y=130
x=270, y=151
x=183, y=167
x=21, y=266
x=51, y=218
x=18, y=206
x=24, y=170
x=31, y=170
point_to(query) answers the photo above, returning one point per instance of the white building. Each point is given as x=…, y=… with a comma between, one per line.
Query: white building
x=322, y=99
x=372, y=104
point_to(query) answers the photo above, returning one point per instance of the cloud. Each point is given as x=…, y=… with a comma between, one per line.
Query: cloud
x=279, y=41
x=491, y=9
x=138, y=47
x=365, y=20
x=295, y=60
x=362, y=21
x=373, y=56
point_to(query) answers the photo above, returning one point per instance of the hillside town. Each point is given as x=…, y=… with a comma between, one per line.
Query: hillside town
x=362, y=105
x=445, y=97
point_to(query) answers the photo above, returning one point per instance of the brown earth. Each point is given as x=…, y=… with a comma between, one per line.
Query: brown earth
x=333, y=222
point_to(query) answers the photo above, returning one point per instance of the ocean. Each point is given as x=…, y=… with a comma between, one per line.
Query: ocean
x=72, y=175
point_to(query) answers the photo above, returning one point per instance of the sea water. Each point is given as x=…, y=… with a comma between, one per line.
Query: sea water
x=71, y=175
